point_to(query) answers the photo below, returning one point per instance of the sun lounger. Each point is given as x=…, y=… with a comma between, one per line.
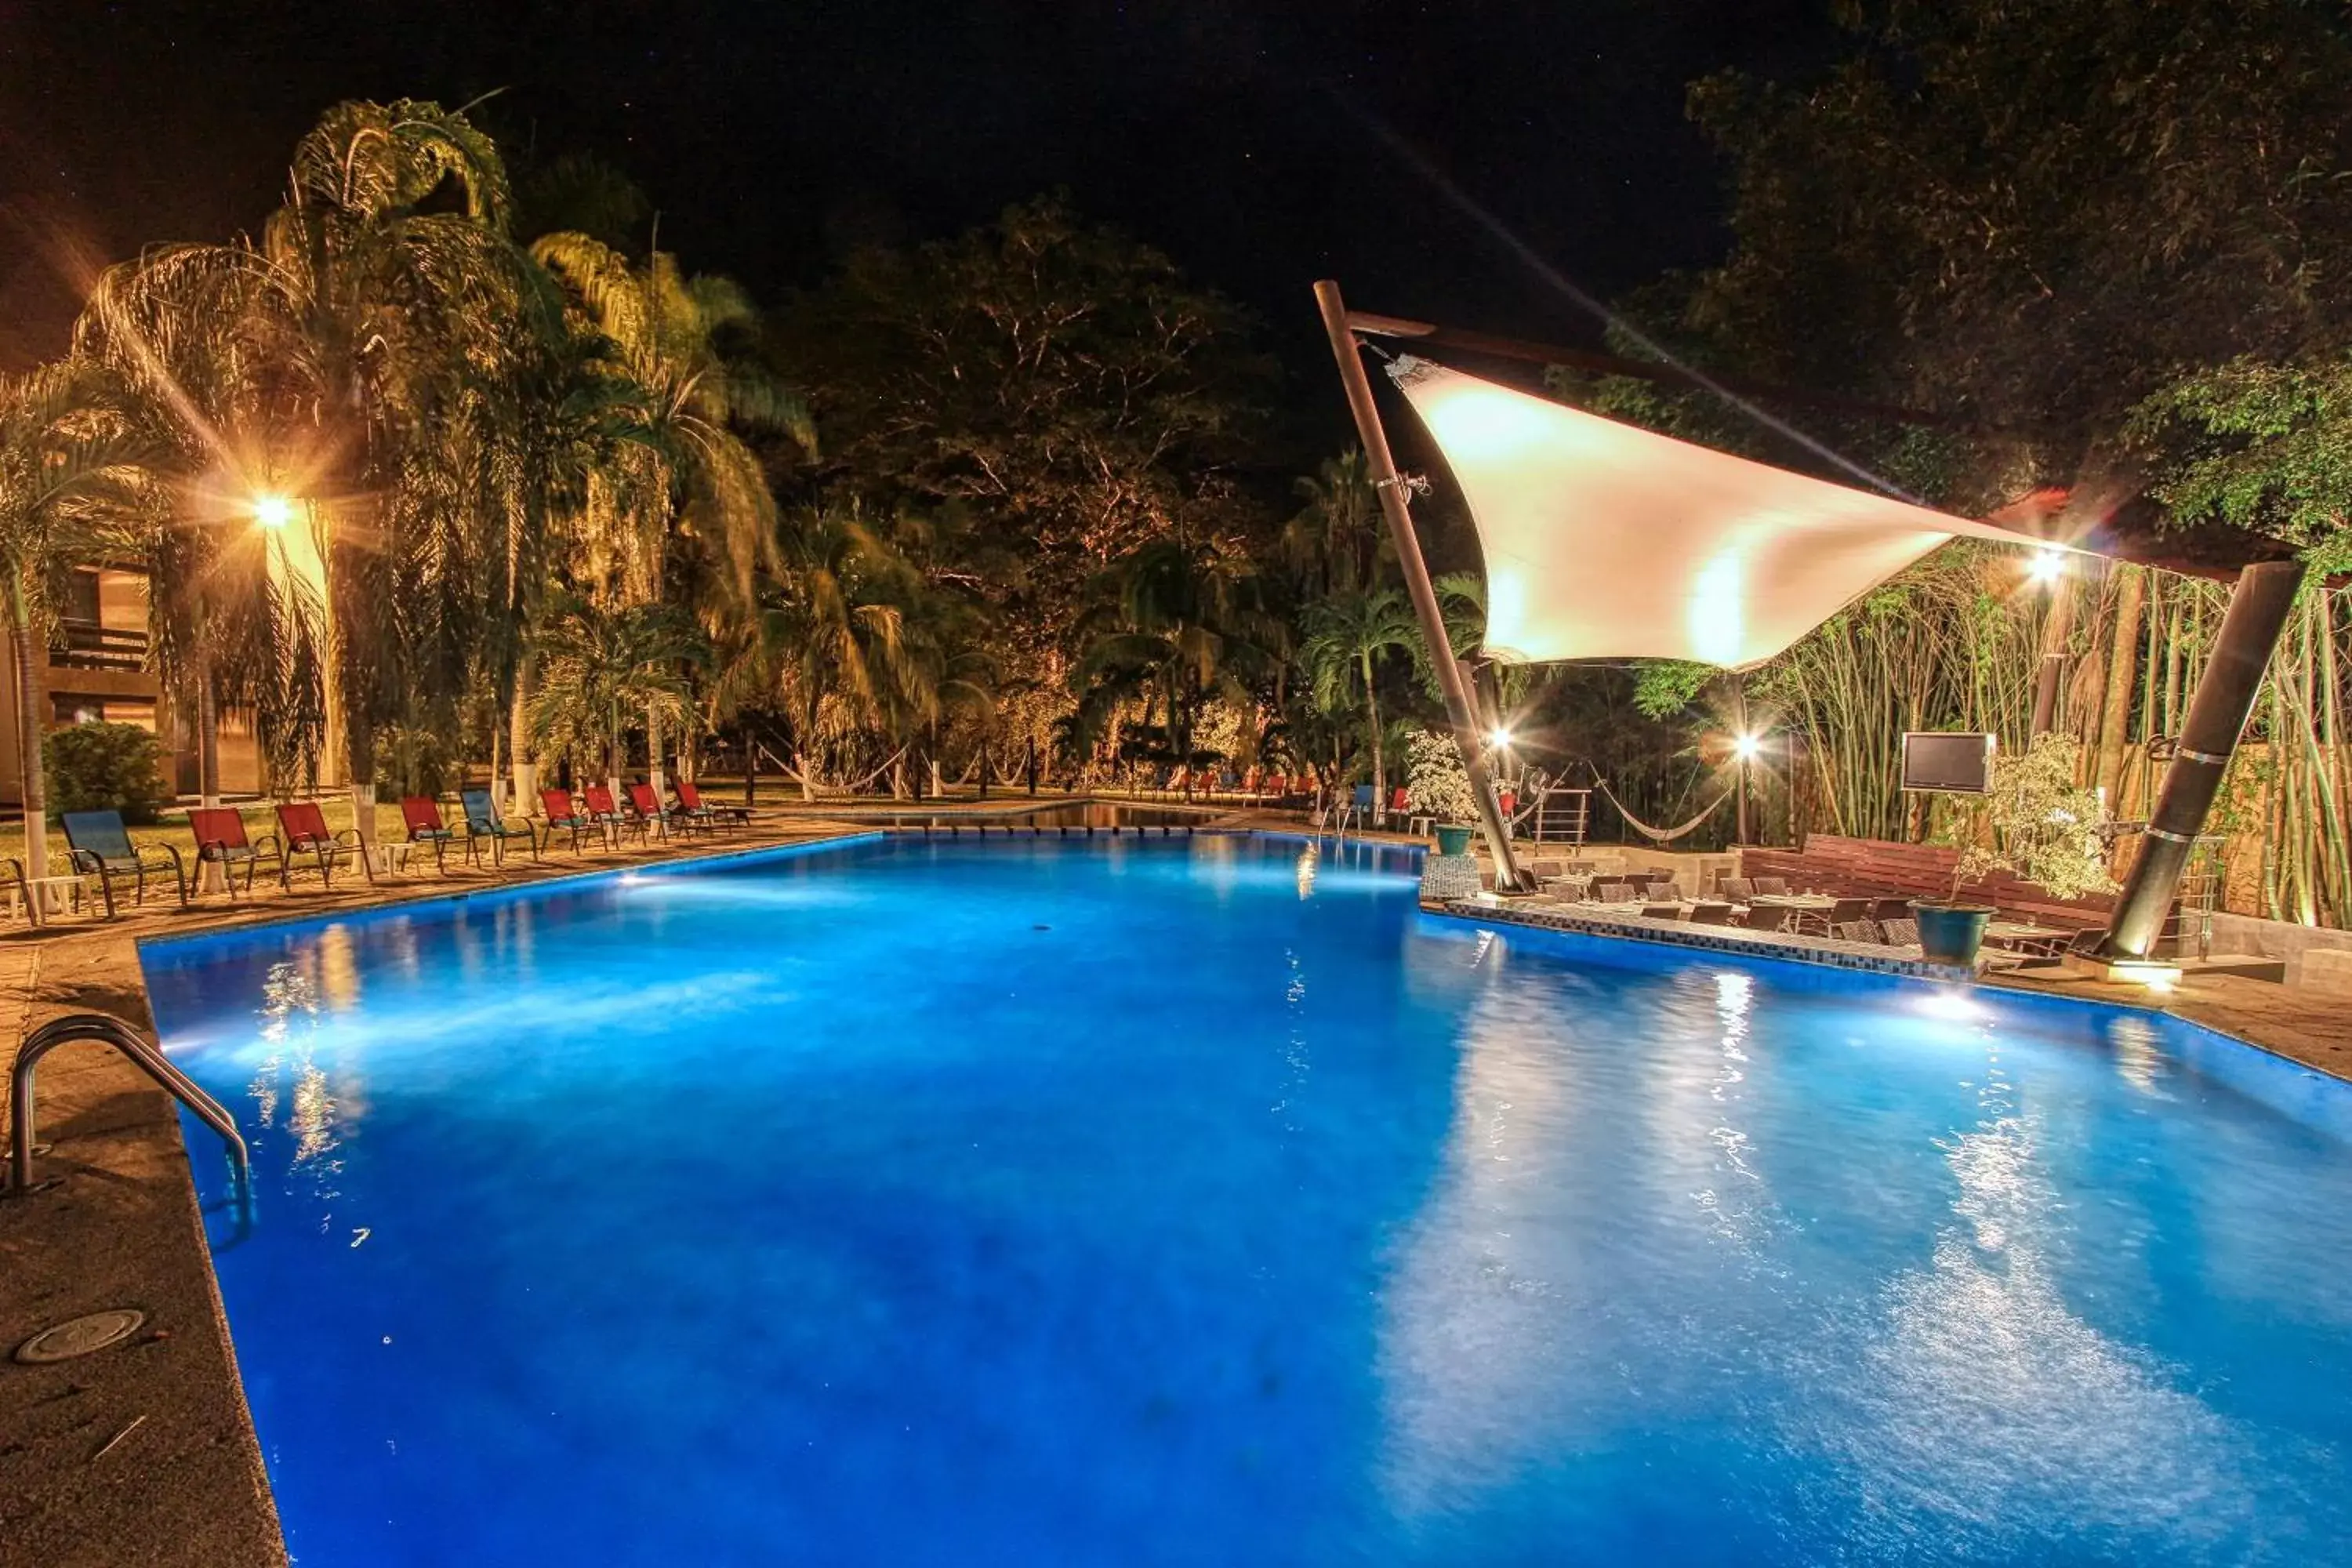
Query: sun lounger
x=693, y=808
x=483, y=824
x=220, y=836
x=600, y=809
x=645, y=811
x=99, y=846
x=304, y=827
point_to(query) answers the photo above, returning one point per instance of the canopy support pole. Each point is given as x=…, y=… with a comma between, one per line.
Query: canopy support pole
x=2259, y=607
x=1459, y=712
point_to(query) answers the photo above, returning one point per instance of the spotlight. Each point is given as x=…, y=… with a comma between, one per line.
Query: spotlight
x=272, y=511
x=1499, y=737
x=1747, y=746
x=2047, y=566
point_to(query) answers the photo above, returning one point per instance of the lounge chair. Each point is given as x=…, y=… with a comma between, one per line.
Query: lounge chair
x=483, y=822
x=645, y=810
x=304, y=827
x=99, y=846
x=421, y=814
x=220, y=836
x=692, y=806
x=563, y=811
x=601, y=810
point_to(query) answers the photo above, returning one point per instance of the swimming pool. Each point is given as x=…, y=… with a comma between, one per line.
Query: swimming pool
x=1202, y=1202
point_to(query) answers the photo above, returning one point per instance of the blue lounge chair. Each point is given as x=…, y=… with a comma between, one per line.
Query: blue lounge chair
x=483, y=822
x=101, y=846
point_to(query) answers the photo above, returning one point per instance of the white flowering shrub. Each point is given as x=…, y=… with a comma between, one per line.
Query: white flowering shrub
x=2042, y=826
x=1435, y=782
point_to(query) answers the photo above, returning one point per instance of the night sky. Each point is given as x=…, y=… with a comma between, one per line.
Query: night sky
x=1243, y=139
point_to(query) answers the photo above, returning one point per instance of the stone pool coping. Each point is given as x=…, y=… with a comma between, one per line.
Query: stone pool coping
x=145, y=1453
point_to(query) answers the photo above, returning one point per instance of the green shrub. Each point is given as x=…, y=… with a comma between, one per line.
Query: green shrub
x=93, y=766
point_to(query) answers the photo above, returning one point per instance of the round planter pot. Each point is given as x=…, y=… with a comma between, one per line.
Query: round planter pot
x=1454, y=839
x=1950, y=933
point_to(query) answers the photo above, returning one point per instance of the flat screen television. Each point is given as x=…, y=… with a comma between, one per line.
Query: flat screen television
x=1953, y=765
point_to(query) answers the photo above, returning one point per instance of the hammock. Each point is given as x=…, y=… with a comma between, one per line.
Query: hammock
x=1659, y=835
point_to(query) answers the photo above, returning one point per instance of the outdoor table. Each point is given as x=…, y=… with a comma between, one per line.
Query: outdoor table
x=1793, y=900
x=70, y=893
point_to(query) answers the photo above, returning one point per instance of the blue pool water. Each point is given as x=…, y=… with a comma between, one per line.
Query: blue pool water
x=1168, y=1202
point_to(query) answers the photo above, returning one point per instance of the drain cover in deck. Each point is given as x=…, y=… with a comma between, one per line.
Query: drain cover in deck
x=81, y=1336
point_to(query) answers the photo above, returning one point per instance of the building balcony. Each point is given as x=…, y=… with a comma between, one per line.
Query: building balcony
x=86, y=645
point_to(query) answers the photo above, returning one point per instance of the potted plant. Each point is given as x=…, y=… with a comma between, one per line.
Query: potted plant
x=1439, y=789
x=2036, y=822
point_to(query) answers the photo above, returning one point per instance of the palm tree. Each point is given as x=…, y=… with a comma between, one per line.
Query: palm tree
x=367, y=309
x=1176, y=620
x=597, y=665
x=1348, y=638
x=1339, y=540
x=692, y=477
x=71, y=489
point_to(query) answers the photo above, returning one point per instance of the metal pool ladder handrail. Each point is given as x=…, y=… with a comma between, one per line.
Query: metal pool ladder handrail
x=143, y=1053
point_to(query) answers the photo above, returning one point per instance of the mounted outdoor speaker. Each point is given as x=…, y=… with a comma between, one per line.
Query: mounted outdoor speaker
x=1948, y=764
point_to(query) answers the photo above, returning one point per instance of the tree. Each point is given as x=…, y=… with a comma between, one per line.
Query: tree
x=1176, y=618
x=368, y=308
x=71, y=490
x=691, y=477
x=1059, y=388
x=1348, y=638
x=1337, y=541
x=598, y=666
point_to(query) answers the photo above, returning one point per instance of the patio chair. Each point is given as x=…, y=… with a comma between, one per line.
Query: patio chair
x=483, y=822
x=1771, y=886
x=693, y=808
x=1739, y=890
x=23, y=892
x=421, y=814
x=1903, y=932
x=1768, y=917
x=1855, y=931
x=601, y=809
x=99, y=845
x=1841, y=911
x=305, y=828
x=1885, y=910
x=1613, y=893
x=1662, y=911
x=220, y=836
x=562, y=810
x=1710, y=914
x=645, y=809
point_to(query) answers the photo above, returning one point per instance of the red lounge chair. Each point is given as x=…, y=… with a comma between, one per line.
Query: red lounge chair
x=691, y=808
x=563, y=812
x=601, y=810
x=304, y=827
x=645, y=811
x=421, y=814
x=220, y=835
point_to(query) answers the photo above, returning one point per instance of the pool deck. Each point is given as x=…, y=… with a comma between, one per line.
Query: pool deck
x=144, y=1452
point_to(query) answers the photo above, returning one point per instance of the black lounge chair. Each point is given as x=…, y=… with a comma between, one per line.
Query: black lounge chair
x=483, y=822
x=101, y=846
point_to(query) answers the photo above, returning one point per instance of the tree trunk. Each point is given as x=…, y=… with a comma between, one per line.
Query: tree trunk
x=751, y=769
x=31, y=779
x=208, y=784
x=526, y=772
x=654, y=749
x=807, y=771
x=2122, y=681
x=1380, y=774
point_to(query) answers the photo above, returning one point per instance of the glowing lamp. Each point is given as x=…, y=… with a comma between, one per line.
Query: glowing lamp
x=272, y=511
x=1746, y=747
x=2047, y=566
x=1499, y=737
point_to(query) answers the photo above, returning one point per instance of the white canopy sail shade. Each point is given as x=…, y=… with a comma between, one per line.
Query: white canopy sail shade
x=1606, y=541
